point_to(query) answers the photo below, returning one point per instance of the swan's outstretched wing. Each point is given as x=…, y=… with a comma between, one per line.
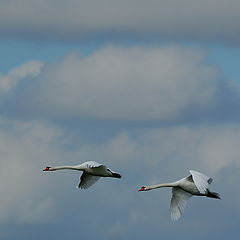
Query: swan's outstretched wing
x=87, y=180
x=92, y=164
x=201, y=181
x=178, y=202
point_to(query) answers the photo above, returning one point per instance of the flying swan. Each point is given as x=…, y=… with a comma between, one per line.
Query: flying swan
x=196, y=184
x=92, y=171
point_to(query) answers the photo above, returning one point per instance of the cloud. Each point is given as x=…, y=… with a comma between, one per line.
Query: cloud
x=24, y=147
x=206, y=148
x=142, y=156
x=10, y=80
x=129, y=84
x=78, y=20
x=163, y=155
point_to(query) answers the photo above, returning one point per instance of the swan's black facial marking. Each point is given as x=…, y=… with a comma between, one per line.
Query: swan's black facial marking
x=46, y=169
x=142, y=189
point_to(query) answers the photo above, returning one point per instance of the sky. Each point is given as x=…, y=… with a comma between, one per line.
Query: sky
x=149, y=88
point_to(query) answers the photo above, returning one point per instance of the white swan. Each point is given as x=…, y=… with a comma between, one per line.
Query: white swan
x=196, y=184
x=92, y=171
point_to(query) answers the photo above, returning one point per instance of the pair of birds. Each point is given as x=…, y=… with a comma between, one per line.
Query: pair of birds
x=196, y=184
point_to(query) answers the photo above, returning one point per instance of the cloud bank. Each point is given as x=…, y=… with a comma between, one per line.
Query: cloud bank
x=77, y=20
x=145, y=157
x=162, y=85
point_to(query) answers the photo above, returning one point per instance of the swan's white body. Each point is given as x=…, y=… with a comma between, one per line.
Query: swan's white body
x=92, y=171
x=196, y=184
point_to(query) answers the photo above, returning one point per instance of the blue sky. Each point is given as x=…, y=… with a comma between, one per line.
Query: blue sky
x=151, y=91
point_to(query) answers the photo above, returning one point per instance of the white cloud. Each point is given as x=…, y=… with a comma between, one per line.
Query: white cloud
x=75, y=20
x=129, y=84
x=10, y=80
x=207, y=148
x=24, y=147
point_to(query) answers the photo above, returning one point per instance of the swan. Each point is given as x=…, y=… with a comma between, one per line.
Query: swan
x=196, y=184
x=92, y=171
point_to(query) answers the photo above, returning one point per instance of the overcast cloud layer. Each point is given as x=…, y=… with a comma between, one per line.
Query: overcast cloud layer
x=216, y=20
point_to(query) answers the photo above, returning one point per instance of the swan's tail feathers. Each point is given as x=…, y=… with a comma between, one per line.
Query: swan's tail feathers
x=213, y=195
x=116, y=175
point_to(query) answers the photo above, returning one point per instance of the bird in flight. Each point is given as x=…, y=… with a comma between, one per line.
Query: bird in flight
x=197, y=184
x=92, y=171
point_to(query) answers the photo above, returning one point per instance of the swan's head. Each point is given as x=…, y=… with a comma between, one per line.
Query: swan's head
x=142, y=189
x=48, y=169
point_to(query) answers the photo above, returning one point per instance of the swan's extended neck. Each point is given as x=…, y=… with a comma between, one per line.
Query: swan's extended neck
x=173, y=184
x=65, y=167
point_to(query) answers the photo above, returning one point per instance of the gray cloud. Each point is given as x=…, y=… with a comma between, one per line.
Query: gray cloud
x=155, y=156
x=77, y=20
x=128, y=84
x=23, y=149
x=143, y=157
x=207, y=148
x=165, y=84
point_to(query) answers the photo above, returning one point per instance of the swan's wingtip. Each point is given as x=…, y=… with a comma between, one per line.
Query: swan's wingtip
x=175, y=218
x=116, y=175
